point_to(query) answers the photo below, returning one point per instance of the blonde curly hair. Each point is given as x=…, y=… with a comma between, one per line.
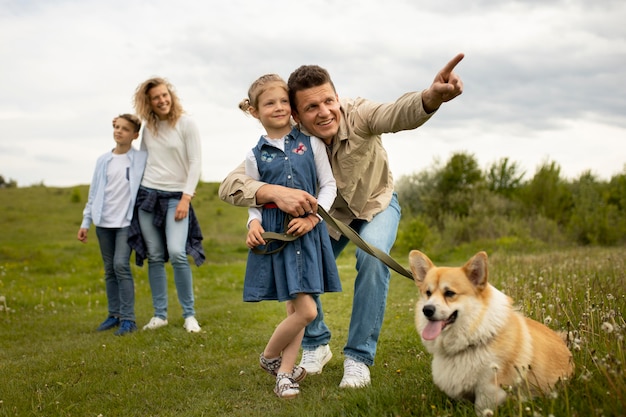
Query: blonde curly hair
x=143, y=107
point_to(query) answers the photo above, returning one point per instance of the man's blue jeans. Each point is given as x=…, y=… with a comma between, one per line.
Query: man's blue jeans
x=118, y=279
x=174, y=240
x=370, y=288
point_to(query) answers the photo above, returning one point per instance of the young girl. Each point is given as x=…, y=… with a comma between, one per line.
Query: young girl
x=306, y=265
x=110, y=204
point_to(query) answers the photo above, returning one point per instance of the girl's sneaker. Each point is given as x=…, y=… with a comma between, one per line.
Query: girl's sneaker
x=298, y=374
x=271, y=366
x=286, y=387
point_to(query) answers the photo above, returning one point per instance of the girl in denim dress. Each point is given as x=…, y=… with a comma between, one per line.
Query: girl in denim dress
x=306, y=265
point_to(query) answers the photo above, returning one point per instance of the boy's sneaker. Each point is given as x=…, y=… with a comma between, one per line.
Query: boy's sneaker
x=314, y=360
x=286, y=387
x=271, y=366
x=126, y=326
x=109, y=323
x=155, y=323
x=191, y=325
x=355, y=374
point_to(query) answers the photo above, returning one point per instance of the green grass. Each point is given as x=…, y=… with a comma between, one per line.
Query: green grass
x=53, y=363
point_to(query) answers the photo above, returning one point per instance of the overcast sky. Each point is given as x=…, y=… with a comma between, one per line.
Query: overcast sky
x=545, y=80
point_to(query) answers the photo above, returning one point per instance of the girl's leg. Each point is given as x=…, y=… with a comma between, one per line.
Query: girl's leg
x=287, y=336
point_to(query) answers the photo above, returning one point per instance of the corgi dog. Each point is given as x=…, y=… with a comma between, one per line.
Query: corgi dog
x=480, y=344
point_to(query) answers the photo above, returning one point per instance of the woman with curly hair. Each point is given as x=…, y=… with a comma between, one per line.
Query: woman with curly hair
x=166, y=226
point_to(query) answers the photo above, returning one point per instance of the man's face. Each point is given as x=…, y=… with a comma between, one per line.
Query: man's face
x=317, y=109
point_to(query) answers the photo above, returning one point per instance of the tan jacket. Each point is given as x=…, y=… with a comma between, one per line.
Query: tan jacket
x=358, y=159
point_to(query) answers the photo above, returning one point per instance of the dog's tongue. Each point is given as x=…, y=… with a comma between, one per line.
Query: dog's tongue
x=432, y=329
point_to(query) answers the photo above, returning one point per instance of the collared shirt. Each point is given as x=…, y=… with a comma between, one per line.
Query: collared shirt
x=358, y=159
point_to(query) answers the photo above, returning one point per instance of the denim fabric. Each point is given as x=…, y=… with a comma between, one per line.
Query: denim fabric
x=118, y=280
x=370, y=288
x=173, y=240
x=305, y=265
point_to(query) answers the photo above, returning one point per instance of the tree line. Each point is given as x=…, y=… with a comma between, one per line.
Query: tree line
x=457, y=203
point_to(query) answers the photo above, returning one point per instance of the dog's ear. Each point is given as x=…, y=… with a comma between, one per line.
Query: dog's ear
x=420, y=264
x=476, y=270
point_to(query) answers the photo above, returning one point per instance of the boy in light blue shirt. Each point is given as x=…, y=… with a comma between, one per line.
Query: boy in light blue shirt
x=109, y=207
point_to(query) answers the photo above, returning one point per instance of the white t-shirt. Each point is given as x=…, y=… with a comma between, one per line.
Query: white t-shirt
x=116, y=192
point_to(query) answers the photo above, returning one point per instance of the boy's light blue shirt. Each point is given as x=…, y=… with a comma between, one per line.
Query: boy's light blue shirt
x=95, y=202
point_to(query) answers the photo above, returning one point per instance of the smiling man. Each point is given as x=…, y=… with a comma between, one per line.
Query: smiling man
x=351, y=130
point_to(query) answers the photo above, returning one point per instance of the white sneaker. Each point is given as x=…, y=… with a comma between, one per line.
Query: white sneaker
x=314, y=360
x=191, y=325
x=355, y=374
x=155, y=323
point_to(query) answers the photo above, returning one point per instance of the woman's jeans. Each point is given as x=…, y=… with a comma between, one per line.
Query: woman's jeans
x=370, y=288
x=173, y=240
x=118, y=278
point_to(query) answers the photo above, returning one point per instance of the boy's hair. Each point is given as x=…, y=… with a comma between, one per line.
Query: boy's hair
x=144, y=107
x=304, y=77
x=132, y=119
x=259, y=87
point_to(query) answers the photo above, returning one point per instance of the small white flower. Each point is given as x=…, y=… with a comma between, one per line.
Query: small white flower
x=538, y=296
x=547, y=320
x=607, y=327
x=487, y=412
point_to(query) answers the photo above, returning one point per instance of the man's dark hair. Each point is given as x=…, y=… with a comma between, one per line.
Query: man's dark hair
x=307, y=76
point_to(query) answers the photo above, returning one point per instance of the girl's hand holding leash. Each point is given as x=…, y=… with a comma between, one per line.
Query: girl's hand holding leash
x=299, y=226
x=254, y=237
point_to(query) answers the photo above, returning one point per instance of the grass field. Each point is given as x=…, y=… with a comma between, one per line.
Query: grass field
x=53, y=363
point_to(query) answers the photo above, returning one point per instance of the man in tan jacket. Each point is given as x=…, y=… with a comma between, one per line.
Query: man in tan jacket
x=351, y=130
